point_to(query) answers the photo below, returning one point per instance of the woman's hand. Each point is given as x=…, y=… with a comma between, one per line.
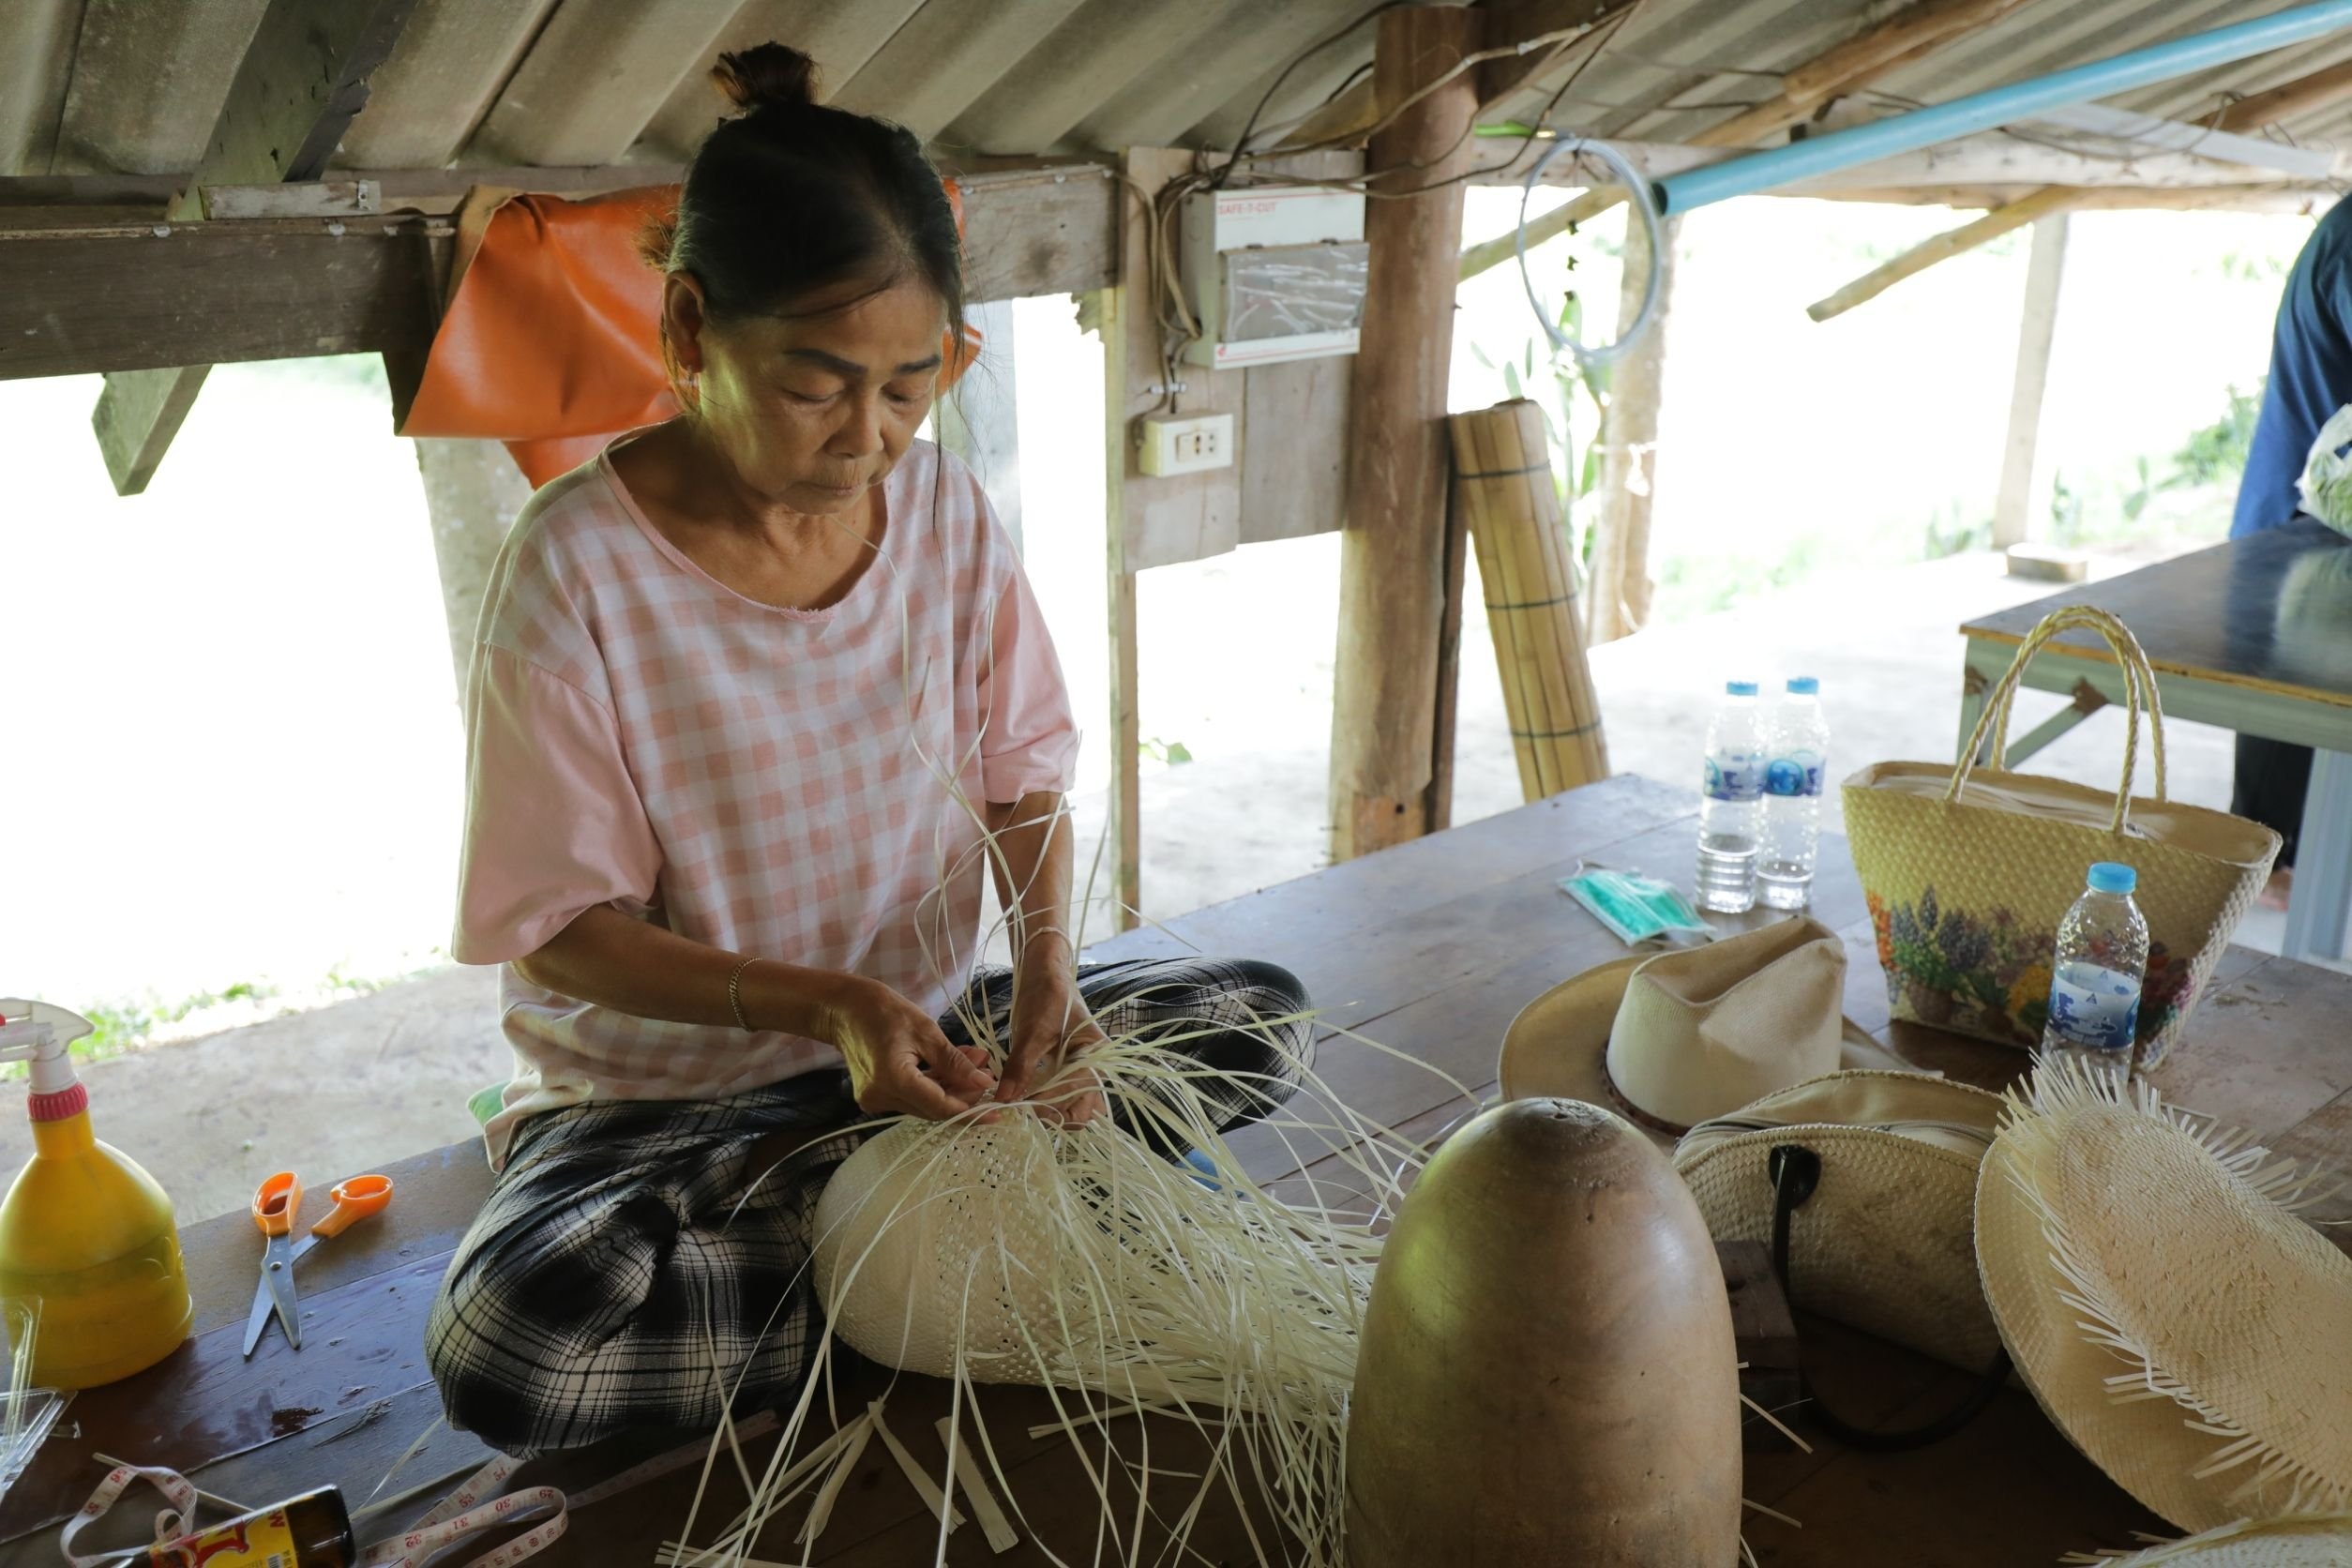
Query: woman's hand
x=898, y=1059
x=1050, y=1025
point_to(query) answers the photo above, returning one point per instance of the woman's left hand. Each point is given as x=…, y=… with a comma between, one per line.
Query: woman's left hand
x=1051, y=1026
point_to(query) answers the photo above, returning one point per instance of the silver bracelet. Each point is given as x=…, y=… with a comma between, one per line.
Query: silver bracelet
x=734, y=994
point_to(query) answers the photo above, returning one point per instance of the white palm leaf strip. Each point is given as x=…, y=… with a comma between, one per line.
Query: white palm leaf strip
x=2319, y=1532
x=2036, y=1127
x=993, y=1524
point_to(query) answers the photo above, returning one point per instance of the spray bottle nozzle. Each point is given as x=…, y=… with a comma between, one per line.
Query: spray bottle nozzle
x=40, y=1033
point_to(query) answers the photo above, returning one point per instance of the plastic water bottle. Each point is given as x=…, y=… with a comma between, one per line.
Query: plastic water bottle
x=1798, y=751
x=1730, y=819
x=2095, y=977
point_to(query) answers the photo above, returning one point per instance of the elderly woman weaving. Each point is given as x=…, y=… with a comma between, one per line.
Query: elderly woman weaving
x=747, y=689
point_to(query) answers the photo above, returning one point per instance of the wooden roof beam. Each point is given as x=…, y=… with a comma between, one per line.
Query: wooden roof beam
x=1914, y=31
x=111, y=294
x=302, y=80
x=2299, y=96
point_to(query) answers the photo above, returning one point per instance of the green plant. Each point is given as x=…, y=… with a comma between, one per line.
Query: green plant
x=1170, y=753
x=1950, y=531
x=2218, y=451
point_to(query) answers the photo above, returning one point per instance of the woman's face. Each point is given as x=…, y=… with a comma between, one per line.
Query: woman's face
x=813, y=409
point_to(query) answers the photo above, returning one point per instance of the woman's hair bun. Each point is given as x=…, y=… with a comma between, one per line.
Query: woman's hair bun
x=768, y=75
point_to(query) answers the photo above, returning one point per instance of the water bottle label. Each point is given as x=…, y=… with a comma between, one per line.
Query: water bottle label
x=1798, y=772
x=2095, y=1008
x=1734, y=775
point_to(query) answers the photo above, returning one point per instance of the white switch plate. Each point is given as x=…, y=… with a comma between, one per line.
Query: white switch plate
x=1174, y=446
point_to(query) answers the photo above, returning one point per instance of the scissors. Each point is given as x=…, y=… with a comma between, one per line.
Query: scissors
x=276, y=1204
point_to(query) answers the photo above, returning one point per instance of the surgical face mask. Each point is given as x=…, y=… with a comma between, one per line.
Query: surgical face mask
x=1637, y=908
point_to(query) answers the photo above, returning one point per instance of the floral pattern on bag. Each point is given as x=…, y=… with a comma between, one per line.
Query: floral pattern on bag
x=1990, y=975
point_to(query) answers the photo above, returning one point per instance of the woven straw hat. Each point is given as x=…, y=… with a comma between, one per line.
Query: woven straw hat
x=1885, y=1243
x=2178, y=1321
x=2307, y=1540
x=1672, y=1039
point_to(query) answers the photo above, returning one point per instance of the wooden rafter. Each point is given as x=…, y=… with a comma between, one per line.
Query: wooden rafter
x=103, y=292
x=1909, y=35
x=302, y=80
x=2299, y=96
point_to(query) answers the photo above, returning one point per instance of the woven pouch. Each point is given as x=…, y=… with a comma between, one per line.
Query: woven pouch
x=1967, y=870
x=1887, y=1242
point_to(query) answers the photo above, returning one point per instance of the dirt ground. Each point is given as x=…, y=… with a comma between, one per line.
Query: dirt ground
x=359, y=1084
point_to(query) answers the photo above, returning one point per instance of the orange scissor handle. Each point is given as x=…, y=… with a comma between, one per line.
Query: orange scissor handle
x=356, y=1198
x=277, y=1201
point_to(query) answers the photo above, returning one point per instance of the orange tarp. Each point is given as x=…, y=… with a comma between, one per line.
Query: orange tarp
x=549, y=339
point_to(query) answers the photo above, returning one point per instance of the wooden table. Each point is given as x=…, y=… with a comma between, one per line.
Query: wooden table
x=2255, y=636
x=1430, y=949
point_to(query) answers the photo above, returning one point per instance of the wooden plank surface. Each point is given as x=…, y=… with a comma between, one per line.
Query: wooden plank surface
x=211, y=293
x=2267, y=611
x=1430, y=949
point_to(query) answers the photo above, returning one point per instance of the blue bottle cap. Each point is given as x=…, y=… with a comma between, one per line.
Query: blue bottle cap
x=1803, y=686
x=1739, y=688
x=2106, y=876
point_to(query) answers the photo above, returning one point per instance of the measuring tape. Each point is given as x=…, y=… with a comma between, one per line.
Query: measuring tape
x=480, y=1502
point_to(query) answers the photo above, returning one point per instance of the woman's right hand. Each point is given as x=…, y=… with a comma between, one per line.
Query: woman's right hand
x=899, y=1059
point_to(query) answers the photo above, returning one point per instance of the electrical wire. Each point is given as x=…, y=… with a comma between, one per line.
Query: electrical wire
x=1644, y=200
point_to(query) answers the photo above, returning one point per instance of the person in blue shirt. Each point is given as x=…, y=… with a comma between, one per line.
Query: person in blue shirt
x=2311, y=377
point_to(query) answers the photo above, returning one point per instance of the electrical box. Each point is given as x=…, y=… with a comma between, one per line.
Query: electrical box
x=1173, y=446
x=1274, y=273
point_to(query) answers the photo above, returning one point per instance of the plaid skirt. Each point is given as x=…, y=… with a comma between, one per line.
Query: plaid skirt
x=632, y=1270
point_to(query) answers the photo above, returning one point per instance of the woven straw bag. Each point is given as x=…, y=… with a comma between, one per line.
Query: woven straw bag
x=1967, y=870
x=1885, y=1241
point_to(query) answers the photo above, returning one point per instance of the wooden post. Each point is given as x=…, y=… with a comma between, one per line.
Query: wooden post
x=1619, y=580
x=473, y=491
x=976, y=420
x=2023, y=481
x=1105, y=310
x=1392, y=579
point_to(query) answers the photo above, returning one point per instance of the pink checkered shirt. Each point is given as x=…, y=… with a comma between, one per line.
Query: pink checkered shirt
x=763, y=781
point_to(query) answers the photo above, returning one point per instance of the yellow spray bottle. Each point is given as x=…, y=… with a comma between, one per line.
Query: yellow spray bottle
x=84, y=1232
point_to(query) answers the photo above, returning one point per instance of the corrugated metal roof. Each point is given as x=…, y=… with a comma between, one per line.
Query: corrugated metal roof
x=132, y=86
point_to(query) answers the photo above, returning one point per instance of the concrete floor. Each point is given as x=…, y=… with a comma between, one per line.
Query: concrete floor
x=354, y=1086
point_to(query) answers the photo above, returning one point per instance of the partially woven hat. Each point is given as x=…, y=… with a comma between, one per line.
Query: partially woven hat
x=2306, y=1541
x=2175, y=1319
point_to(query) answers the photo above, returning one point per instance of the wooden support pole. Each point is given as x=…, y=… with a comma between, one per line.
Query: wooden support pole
x=473, y=494
x=303, y=79
x=977, y=418
x=2024, y=478
x=1392, y=580
x=1619, y=591
x=2044, y=203
x=1105, y=310
x=1909, y=35
x=2299, y=96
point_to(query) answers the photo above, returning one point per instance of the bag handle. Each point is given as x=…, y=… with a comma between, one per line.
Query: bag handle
x=1795, y=1171
x=2139, y=692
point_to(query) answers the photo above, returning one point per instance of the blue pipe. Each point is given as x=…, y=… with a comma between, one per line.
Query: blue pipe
x=1996, y=106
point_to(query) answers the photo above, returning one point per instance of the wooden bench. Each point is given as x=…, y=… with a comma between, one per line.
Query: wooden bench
x=1429, y=948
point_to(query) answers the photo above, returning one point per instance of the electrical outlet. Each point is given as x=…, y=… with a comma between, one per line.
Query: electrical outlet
x=1173, y=446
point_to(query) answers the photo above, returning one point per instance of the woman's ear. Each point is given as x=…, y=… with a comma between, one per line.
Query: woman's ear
x=682, y=315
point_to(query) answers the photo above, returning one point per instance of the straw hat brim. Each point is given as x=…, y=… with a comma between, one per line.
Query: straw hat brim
x=2115, y=1243
x=1558, y=1044
x=2309, y=1541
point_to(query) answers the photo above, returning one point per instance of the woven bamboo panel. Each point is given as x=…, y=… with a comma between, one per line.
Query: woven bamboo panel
x=1502, y=479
